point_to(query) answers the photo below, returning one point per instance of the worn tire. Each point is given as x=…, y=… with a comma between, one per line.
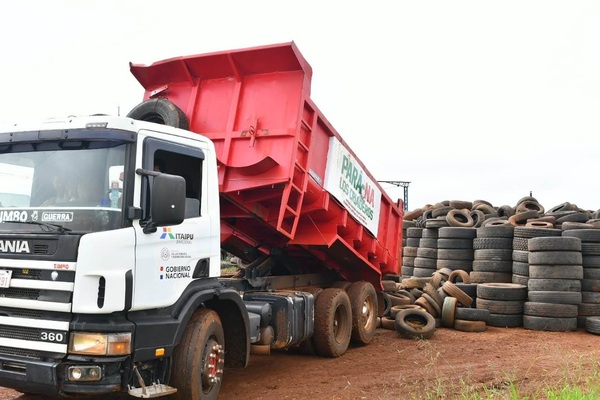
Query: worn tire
x=192, y=361
x=452, y=290
x=363, y=302
x=549, y=324
x=162, y=111
x=449, y=311
x=333, y=323
x=501, y=291
x=415, y=324
x=469, y=326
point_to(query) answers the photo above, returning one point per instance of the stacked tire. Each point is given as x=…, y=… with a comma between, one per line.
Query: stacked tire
x=520, y=254
x=504, y=301
x=409, y=251
x=555, y=273
x=492, y=255
x=455, y=248
x=425, y=264
x=590, y=284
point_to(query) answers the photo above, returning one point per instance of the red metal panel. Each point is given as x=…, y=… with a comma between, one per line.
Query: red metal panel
x=272, y=146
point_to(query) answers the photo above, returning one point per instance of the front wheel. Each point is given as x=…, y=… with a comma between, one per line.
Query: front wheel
x=199, y=358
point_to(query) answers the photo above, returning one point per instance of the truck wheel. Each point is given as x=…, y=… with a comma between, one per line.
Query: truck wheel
x=161, y=111
x=333, y=322
x=363, y=300
x=199, y=358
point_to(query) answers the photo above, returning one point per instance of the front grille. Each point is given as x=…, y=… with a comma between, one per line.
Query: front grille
x=11, y=351
x=19, y=332
x=26, y=274
x=36, y=294
x=33, y=314
x=40, y=249
x=20, y=293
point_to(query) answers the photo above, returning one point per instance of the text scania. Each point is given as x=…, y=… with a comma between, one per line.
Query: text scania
x=178, y=272
x=361, y=194
x=14, y=246
x=13, y=215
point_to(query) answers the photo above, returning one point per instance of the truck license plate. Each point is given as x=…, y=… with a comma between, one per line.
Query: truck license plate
x=5, y=278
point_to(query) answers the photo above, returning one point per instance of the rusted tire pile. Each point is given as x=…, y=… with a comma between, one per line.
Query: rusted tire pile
x=504, y=301
x=590, y=283
x=555, y=265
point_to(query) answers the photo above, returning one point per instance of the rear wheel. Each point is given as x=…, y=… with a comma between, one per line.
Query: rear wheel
x=363, y=301
x=333, y=322
x=199, y=358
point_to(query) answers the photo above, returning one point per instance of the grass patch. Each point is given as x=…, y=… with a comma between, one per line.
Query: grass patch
x=578, y=379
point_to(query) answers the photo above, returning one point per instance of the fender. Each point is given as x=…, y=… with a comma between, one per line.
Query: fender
x=163, y=328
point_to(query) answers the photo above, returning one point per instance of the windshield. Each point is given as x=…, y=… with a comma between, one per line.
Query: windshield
x=76, y=185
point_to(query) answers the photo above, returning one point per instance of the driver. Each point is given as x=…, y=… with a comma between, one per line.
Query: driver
x=64, y=191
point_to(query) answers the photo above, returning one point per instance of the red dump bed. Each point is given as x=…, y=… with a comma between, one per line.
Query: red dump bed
x=286, y=177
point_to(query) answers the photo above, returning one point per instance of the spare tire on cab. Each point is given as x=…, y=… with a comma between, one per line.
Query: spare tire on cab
x=160, y=110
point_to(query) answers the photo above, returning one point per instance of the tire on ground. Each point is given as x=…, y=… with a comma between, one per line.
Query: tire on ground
x=415, y=324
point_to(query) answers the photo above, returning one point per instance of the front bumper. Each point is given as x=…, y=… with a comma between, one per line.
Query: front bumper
x=50, y=377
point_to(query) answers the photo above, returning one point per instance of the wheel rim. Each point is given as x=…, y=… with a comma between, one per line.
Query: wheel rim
x=212, y=372
x=367, y=313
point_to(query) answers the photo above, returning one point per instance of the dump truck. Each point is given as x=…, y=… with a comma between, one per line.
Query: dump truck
x=112, y=231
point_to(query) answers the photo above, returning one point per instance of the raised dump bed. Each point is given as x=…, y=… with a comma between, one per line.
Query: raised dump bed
x=286, y=177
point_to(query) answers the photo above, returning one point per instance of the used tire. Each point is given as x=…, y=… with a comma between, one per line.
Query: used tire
x=162, y=111
x=333, y=322
x=415, y=324
x=198, y=359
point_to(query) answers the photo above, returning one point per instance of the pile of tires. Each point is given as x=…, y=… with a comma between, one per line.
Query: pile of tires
x=425, y=264
x=590, y=283
x=492, y=256
x=455, y=248
x=555, y=273
x=504, y=301
x=409, y=251
x=440, y=295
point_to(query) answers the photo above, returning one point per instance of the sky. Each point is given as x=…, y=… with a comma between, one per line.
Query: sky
x=466, y=100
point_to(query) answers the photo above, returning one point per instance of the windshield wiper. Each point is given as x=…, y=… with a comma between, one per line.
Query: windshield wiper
x=49, y=227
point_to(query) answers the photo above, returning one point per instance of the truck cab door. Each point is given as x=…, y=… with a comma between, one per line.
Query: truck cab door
x=169, y=258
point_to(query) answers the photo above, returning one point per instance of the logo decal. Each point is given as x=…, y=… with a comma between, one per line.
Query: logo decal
x=57, y=216
x=181, y=238
x=175, y=272
x=165, y=254
x=14, y=246
x=167, y=232
x=8, y=216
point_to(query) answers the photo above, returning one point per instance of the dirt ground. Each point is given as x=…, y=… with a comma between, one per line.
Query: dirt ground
x=450, y=365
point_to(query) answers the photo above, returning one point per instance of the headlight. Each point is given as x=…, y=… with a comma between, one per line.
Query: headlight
x=100, y=344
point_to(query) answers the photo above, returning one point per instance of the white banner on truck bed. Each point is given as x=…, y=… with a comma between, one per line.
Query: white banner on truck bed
x=347, y=181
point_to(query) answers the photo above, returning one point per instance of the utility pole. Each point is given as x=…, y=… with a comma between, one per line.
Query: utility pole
x=405, y=186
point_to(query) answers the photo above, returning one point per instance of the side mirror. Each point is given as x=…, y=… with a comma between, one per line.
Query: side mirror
x=167, y=202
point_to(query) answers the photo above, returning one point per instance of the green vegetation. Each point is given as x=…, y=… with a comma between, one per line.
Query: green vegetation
x=579, y=380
